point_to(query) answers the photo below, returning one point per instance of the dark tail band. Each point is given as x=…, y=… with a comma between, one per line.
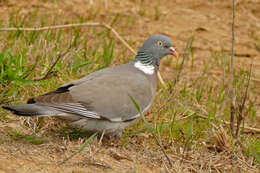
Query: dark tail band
x=20, y=113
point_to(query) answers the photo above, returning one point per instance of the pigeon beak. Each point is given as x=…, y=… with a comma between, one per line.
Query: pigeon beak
x=173, y=52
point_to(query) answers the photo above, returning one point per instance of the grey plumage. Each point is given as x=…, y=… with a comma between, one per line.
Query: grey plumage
x=101, y=100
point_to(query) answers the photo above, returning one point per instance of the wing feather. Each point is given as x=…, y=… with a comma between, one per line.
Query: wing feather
x=74, y=108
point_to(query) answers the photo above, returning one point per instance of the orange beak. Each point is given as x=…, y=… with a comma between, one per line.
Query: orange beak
x=173, y=52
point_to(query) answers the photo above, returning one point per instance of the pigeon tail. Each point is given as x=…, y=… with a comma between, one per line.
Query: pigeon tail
x=30, y=110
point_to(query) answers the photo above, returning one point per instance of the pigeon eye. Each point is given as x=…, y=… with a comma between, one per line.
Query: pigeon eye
x=159, y=43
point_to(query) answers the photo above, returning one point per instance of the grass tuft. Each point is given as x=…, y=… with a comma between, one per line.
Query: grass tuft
x=25, y=138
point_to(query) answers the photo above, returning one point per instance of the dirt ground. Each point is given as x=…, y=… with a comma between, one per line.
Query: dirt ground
x=210, y=24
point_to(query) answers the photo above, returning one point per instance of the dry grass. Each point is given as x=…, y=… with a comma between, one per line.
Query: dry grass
x=193, y=143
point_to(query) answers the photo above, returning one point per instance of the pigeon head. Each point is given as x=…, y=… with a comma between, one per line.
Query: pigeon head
x=154, y=49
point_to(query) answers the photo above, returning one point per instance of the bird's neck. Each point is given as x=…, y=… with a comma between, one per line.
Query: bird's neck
x=146, y=63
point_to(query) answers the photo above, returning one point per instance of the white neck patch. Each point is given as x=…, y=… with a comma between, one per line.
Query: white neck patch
x=147, y=69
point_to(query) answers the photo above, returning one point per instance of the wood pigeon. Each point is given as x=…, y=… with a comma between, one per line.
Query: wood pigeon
x=101, y=101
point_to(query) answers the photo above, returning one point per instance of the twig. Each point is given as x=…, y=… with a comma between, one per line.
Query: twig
x=51, y=27
x=53, y=65
x=162, y=106
x=33, y=67
x=90, y=24
x=163, y=150
x=100, y=164
x=251, y=129
x=118, y=156
x=242, y=105
x=120, y=38
x=161, y=80
x=101, y=138
x=255, y=80
x=150, y=128
x=171, y=95
x=185, y=56
x=231, y=75
x=232, y=116
x=166, y=168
